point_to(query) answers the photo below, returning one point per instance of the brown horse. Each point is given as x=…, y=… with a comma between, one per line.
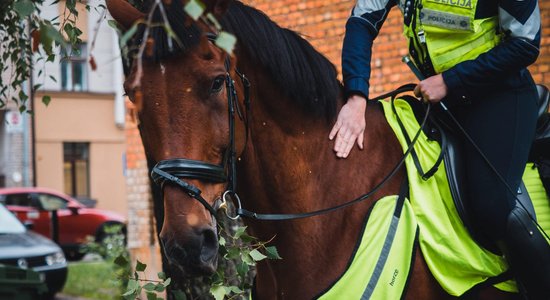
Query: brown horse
x=285, y=161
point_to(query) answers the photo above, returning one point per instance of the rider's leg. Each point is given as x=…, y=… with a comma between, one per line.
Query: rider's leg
x=502, y=124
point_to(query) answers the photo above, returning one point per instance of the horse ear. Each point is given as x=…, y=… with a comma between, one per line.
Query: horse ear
x=217, y=7
x=123, y=12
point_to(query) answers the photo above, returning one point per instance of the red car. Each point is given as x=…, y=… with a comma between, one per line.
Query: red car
x=34, y=206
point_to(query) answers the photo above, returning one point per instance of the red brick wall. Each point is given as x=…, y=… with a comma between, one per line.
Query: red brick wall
x=142, y=241
x=323, y=24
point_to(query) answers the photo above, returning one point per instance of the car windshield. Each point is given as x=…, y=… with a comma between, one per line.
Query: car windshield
x=9, y=223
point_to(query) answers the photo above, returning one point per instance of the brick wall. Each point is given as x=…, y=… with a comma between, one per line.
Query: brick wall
x=142, y=239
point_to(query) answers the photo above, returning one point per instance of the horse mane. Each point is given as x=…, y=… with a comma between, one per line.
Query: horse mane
x=302, y=73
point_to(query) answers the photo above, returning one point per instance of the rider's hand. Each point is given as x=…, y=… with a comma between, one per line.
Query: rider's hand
x=350, y=126
x=431, y=89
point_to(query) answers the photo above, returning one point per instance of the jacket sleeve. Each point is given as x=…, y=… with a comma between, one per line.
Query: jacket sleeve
x=362, y=28
x=520, y=25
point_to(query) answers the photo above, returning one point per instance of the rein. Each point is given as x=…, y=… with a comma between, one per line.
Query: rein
x=281, y=217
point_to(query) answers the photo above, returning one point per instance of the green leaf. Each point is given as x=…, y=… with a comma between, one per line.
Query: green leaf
x=272, y=252
x=247, y=238
x=128, y=35
x=160, y=288
x=140, y=267
x=167, y=282
x=149, y=286
x=240, y=231
x=242, y=269
x=24, y=8
x=151, y=296
x=219, y=292
x=194, y=9
x=46, y=100
x=131, y=288
x=226, y=41
x=233, y=253
x=121, y=261
x=235, y=289
x=221, y=241
x=245, y=257
x=257, y=255
x=161, y=275
x=113, y=24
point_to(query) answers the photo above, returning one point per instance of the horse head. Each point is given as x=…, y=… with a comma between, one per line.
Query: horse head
x=181, y=92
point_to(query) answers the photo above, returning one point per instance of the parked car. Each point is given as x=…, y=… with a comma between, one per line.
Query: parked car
x=34, y=206
x=27, y=250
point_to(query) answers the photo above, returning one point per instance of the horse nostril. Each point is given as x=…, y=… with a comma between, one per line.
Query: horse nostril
x=209, y=248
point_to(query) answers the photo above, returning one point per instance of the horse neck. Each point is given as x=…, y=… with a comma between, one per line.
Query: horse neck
x=289, y=166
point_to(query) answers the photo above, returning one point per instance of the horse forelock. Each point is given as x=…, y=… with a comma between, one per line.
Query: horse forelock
x=301, y=72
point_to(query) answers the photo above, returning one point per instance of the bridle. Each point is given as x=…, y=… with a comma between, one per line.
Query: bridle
x=176, y=170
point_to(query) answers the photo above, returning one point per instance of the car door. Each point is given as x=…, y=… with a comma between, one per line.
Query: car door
x=67, y=219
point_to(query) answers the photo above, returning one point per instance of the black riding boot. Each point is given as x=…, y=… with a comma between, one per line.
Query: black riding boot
x=528, y=253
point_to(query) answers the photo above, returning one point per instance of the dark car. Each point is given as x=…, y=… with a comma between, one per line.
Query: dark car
x=27, y=250
x=34, y=207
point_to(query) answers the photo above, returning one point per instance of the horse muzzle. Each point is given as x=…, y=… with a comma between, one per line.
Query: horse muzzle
x=197, y=255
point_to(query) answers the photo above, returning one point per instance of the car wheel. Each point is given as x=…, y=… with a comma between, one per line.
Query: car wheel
x=74, y=255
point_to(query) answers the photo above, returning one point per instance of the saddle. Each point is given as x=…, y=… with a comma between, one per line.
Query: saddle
x=440, y=130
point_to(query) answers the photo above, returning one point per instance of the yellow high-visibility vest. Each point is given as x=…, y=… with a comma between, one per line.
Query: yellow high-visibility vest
x=448, y=30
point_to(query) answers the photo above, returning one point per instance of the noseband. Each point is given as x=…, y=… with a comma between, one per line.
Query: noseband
x=175, y=170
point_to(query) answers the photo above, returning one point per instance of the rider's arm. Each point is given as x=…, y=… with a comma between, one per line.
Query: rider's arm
x=520, y=23
x=362, y=28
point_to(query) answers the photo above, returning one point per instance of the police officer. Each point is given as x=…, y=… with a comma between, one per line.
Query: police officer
x=474, y=54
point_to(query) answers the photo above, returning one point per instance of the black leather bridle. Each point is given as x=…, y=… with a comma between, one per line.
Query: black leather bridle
x=175, y=170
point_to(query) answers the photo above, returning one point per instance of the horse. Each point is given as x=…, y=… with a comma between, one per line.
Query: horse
x=271, y=145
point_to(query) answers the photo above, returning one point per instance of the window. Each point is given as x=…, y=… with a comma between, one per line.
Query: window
x=76, y=169
x=51, y=202
x=74, y=69
x=19, y=200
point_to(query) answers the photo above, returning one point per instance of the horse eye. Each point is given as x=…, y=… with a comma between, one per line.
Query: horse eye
x=217, y=85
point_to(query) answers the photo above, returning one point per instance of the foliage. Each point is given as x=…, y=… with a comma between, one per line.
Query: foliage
x=23, y=32
x=112, y=247
x=90, y=280
x=138, y=283
x=111, y=244
x=238, y=254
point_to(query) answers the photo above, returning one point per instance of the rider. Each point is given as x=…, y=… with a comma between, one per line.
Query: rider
x=474, y=55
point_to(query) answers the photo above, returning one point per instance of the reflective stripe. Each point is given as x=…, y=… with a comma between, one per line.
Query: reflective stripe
x=470, y=47
x=381, y=259
x=528, y=30
x=368, y=6
x=445, y=20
